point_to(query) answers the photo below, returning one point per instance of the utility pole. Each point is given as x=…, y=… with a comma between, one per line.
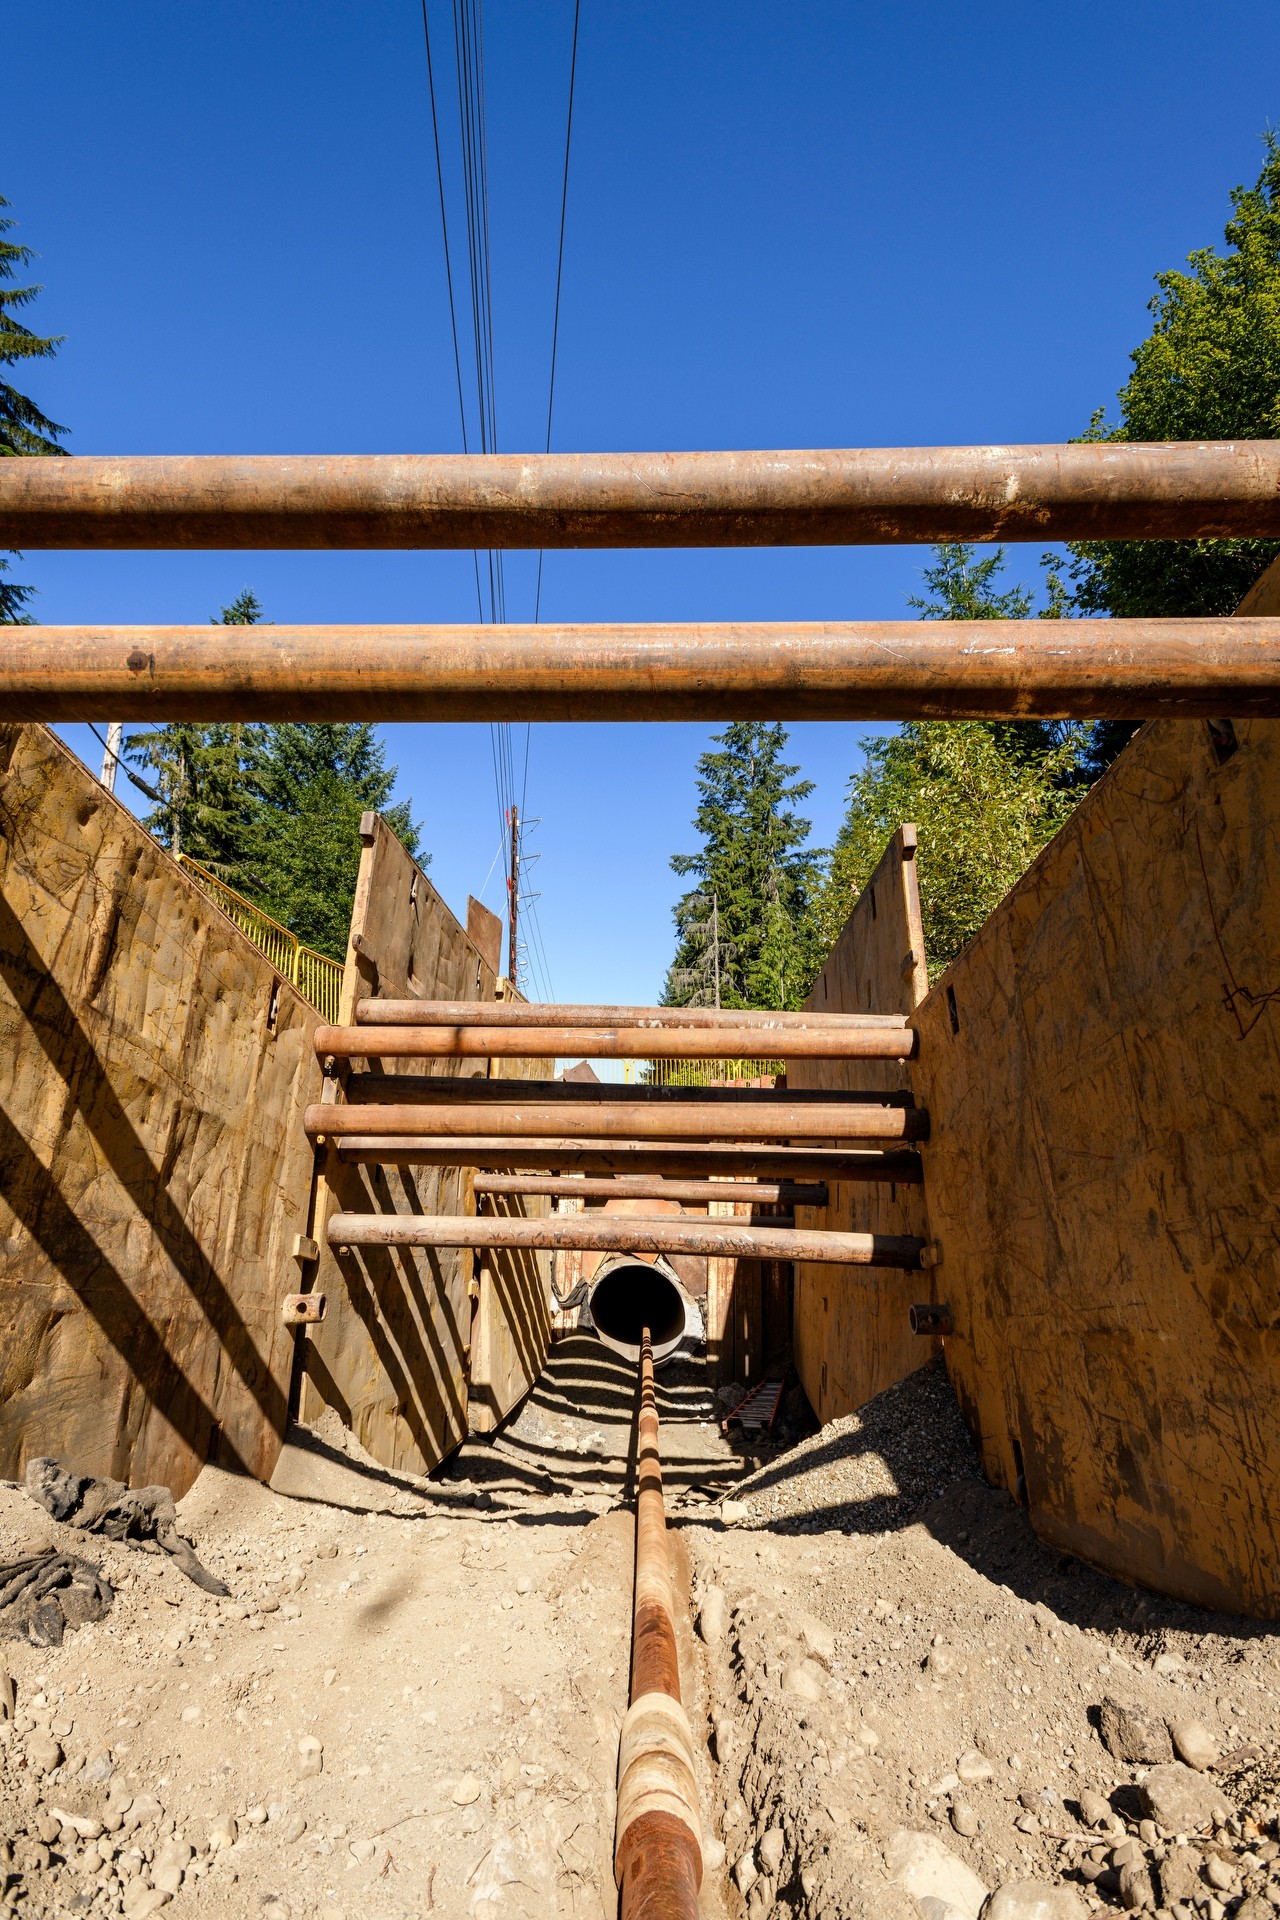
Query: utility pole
x=513, y=894
x=111, y=758
x=715, y=939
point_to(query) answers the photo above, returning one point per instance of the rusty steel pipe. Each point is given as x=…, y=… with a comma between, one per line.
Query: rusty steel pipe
x=834, y=670
x=657, y=1856
x=525, y=1014
x=623, y=1156
x=645, y=1186
x=633, y=1121
x=414, y=1089
x=625, y=1233
x=620, y=1043
x=825, y=497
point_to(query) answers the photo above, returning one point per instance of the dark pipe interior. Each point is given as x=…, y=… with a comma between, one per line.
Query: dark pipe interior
x=630, y=1298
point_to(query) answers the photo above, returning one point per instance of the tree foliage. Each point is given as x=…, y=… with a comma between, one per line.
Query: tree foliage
x=23, y=428
x=311, y=784
x=1208, y=370
x=985, y=795
x=274, y=810
x=983, y=813
x=752, y=905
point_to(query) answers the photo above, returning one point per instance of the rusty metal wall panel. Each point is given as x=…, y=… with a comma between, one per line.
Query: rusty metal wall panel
x=395, y=1352
x=1102, y=1063
x=852, y=1339
x=153, y=1167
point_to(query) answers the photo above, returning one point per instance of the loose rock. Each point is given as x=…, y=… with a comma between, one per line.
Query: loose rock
x=712, y=1616
x=1194, y=1744
x=1179, y=1799
x=925, y=1867
x=1132, y=1734
x=1033, y=1900
x=803, y=1678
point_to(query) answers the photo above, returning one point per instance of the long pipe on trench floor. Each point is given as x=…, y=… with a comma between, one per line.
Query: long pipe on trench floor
x=837, y=670
x=792, y=497
x=658, y=1845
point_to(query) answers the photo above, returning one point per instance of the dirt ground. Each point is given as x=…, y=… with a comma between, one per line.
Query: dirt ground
x=410, y=1704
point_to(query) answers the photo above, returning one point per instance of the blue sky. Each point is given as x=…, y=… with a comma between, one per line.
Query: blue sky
x=805, y=226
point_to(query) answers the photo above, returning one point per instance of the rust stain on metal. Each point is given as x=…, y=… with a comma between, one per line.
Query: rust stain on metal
x=834, y=670
x=875, y=495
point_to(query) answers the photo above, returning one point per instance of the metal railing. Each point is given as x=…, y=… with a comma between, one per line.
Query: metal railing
x=701, y=1073
x=317, y=978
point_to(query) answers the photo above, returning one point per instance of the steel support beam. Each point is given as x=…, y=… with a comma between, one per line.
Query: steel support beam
x=639, y=1156
x=625, y=1233
x=619, y=1043
x=650, y=1186
x=633, y=1121
x=838, y=670
x=870, y=495
x=531, y=1013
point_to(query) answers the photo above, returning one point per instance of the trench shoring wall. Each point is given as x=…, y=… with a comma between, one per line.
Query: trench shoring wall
x=1102, y=1067
x=405, y=1326
x=153, y=1168
x=851, y=1335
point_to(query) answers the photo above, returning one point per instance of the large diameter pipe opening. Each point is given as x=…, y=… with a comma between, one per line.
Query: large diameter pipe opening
x=628, y=1295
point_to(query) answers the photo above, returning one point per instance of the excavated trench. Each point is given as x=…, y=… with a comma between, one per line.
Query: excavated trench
x=411, y=1703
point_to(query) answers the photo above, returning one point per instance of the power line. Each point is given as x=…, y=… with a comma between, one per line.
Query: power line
x=555, y=322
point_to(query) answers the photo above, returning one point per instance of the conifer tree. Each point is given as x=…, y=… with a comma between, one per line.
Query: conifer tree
x=23, y=428
x=748, y=920
x=206, y=804
x=311, y=784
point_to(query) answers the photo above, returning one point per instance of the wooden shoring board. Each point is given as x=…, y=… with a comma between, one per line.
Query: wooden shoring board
x=848, y=1347
x=154, y=1068
x=1102, y=1062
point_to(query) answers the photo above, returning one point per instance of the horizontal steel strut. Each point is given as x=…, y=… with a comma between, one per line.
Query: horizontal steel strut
x=625, y=1233
x=825, y=497
x=731, y=670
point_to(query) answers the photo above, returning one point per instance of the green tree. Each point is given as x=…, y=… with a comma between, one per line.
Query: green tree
x=23, y=428
x=983, y=814
x=274, y=810
x=750, y=915
x=986, y=795
x=311, y=785
x=1208, y=370
x=962, y=587
x=206, y=805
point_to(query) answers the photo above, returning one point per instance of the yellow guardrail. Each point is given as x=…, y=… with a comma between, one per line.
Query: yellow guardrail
x=317, y=978
x=699, y=1073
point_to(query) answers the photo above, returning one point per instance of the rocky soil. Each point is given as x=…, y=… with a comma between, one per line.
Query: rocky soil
x=410, y=1703
x=914, y=1705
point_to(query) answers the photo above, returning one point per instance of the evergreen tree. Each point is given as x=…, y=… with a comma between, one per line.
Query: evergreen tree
x=311, y=785
x=23, y=428
x=750, y=916
x=274, y=811
x=207, y=805
x=1208, y=370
